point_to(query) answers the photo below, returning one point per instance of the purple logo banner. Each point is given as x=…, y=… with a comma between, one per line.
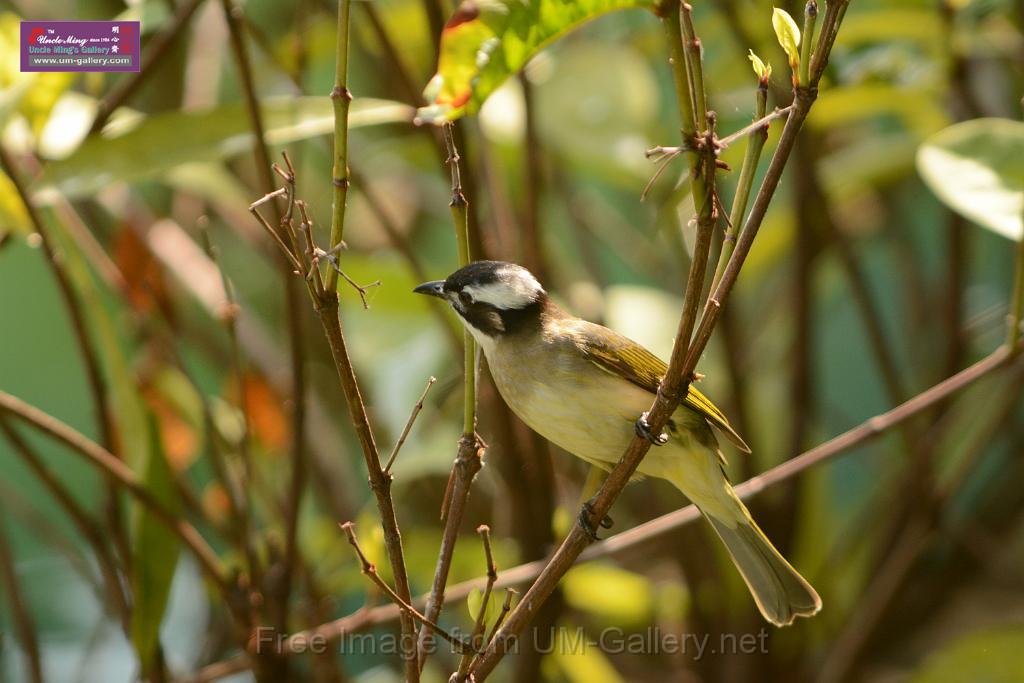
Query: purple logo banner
x=80, y=46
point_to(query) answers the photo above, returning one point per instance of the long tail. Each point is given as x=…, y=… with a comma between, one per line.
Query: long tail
x=780, y=592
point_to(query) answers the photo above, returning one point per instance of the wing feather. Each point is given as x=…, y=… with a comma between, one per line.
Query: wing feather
x=623, y=357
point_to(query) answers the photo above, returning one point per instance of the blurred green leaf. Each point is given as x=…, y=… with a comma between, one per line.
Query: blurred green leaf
x=13, y=215
x=989, y=656
x=486, y=42
x=921, y=111
x=597, y=107
x=156, y=144
x=977, y=169
x=156, y=553
x=610, y=593
x=885, y=24
x=577, y=660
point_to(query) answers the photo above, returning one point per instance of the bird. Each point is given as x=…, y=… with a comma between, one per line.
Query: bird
x=585, y=388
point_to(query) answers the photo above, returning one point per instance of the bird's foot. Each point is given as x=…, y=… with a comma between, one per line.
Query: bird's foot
x=643, y=429
x=584, y=521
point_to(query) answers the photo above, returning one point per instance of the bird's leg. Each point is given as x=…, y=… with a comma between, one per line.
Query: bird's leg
x=643, y=429
x=584, y=521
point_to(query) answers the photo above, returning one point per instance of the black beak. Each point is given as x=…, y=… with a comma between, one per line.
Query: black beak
x=435, y=288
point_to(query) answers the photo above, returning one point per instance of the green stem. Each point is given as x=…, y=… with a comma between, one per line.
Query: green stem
x=678, y=59
x=461, y=221
x=1017, y=301
x=807, y=40
x=755, y=143
x=695, y=68
x=341, y=99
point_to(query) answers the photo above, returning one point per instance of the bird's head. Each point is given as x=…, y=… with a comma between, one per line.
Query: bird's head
x=492, y=298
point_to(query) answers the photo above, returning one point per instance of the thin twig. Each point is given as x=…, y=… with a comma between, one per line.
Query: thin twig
x=368, y=568
x=468, y=462
x=20, y=613
x=408, y=425
x=87, y=527
x=481, y=617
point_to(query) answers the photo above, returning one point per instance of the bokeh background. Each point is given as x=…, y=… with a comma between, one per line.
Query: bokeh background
x=861, y=291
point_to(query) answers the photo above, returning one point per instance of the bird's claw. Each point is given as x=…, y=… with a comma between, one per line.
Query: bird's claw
x=584, y=521
x=643, y=429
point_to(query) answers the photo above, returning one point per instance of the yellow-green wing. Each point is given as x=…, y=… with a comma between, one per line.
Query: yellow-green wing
x=625, y=358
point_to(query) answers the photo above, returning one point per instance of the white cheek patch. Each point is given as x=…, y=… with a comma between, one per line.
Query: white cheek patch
x=514, y=290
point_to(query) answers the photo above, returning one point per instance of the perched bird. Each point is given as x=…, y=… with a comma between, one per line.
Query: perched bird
x=583, y=387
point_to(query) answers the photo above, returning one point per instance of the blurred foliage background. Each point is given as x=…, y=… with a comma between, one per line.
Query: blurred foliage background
x=861, y=291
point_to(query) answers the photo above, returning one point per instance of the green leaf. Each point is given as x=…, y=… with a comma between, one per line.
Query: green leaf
x=13, y=216
x=156, y=144
x=576, y=659
x=788, y=35
x=156, y=553
x=762, y=69
x=977, y=169
x=487, y=41
x=475, y=599
x=612, y=594
x=989, y=656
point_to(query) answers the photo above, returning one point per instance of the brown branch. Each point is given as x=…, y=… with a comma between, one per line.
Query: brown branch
x=684, y=355
x=156, y=48
x=676, y=381
x=468, y=462
x=657, y=528
x=110, y=465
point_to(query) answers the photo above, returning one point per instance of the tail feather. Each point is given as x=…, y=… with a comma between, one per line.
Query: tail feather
x=780, y=592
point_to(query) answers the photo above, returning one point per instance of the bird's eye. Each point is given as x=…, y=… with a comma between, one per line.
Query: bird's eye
x=465, y=298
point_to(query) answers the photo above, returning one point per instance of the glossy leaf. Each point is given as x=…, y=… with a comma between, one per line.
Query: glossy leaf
x=156, y=144
x=762, y=69
x=156, y=554
x=486, y=42
x=788, y=35
x=977, y=169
